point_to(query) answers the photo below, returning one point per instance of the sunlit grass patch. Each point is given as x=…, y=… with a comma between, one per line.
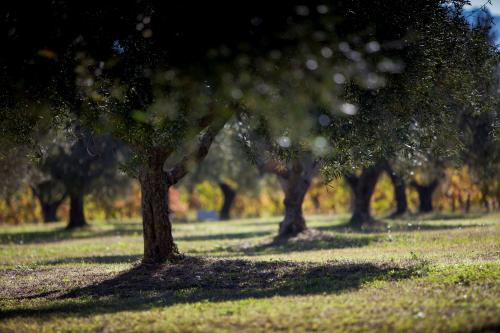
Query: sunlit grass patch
x=433, y=275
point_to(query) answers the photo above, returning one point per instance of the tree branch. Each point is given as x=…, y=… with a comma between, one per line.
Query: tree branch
x=196, y=155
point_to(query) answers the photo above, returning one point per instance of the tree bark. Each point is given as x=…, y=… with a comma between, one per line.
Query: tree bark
x=76, y=211
x=229, y=195
x=425, y=193
x=295, y=183
x=399, y=191
x=363, y=187
x=159, y=245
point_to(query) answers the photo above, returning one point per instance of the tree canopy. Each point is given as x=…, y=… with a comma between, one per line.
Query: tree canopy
x=337, y=84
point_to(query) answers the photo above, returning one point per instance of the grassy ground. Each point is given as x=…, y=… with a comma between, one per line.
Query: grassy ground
x=429, y=275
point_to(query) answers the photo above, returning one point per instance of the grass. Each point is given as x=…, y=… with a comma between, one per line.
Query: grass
x=435, y=274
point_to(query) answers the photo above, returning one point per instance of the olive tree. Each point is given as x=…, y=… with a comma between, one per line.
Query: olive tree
x=228, y=166
x=164, y=79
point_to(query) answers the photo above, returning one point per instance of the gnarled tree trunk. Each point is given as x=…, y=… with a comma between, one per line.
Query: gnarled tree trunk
x=229, y=195
x=425, y=193
x=295, y=183
x=399, y=191
x=159, y=244
x=76, y=210
x=362, y=187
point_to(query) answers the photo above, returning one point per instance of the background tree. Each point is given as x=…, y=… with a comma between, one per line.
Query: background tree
x=469, y=81
x=425, y=193
x=480, y=122
x=50, y=193
x=76, y=165
x=227, y=166
x=367, y=86
x=294, y=166
x=362, y=187
x=426, y=69
x=426, y=183
x=14, y=166
x=399, y=186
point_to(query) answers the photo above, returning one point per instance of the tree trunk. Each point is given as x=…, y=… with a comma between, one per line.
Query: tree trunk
x=399, y=191
x=425, y=195
x=49, y=211
x=295, y=183
x=467, y=204
x=229, y=196
x=50, y=195
x=452, y=202
x=401, y=201
x=76, y=212
x=484, y=202
x=425, y=199
x=363, y=187
x=316, y=204
x=159, y=245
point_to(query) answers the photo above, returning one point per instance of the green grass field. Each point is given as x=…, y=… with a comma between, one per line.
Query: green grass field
x=430, y=275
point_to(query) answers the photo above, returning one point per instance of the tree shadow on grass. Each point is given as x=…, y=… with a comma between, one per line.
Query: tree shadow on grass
x=57, y=235
x=397, y=226
x=310, y=240
x=209, y=279
x=437, y=216
x=223, y=236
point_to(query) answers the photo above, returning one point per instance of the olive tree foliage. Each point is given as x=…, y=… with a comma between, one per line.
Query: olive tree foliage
x=165, y=78
x=18, y=167
x=159, y=76
x=102, y=63
x=14, y=168
x=226, y=165
x=289, y=107
x=480, y=124
x=387, y=88
x=482, y=155
x=420, y=130
x=276, y=61
x=464, y=133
